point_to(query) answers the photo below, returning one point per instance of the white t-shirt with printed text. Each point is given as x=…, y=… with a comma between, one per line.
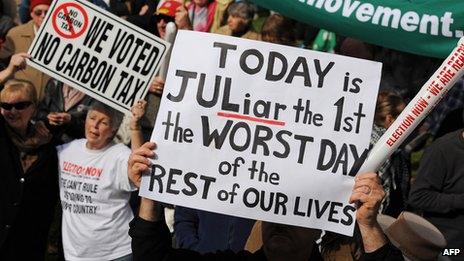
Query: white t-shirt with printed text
x=94, y=193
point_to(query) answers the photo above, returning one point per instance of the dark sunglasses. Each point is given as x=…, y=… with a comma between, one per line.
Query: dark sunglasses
x=166, y=18
x=39, y=12
x=18, y=106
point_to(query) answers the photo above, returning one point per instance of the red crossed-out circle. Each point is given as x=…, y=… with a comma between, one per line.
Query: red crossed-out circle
x=71, y=31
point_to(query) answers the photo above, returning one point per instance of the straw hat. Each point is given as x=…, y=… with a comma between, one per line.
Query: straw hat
x=417, y=238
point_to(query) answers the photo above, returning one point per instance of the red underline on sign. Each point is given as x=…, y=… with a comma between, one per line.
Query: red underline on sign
x=250, y=118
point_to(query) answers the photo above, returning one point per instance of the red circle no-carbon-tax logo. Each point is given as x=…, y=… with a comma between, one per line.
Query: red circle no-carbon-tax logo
x=70, y=20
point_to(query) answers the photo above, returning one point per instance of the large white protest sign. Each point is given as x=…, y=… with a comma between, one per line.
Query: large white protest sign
x=262, y=131
x=97, y=52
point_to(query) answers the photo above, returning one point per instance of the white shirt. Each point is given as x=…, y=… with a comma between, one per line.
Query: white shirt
x=94, y=192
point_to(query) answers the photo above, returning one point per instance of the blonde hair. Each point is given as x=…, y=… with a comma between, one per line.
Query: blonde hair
x=15, y=85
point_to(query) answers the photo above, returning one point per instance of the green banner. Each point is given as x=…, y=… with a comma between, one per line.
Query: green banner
x=424, y=27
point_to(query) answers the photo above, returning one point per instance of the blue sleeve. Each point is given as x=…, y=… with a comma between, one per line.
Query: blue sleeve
x=186, y=227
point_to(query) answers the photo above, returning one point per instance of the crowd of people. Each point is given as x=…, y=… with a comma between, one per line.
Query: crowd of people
x=72, y=162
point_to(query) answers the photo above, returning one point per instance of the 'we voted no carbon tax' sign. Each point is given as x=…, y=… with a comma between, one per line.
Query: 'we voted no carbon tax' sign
x=97, y=52
x=262, y=131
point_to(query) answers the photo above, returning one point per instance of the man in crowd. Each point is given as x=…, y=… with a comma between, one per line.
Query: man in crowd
x=151, y=239
x=439, y=188
x=19, y=39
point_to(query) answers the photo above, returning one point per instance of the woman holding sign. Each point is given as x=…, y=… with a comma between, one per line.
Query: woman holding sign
x=151, y=239
x=95, y=189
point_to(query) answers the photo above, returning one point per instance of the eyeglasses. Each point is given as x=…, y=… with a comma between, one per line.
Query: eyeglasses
x=39, y=12
x=18, y=106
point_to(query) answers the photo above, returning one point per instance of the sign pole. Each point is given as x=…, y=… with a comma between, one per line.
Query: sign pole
x=444, y=78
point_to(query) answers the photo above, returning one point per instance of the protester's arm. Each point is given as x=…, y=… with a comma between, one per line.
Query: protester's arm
x=17, y=62
x=138, y=110
x=59, y=118
x=157, y=85
x=368, y=194
x=150, y=239
x=139, y=162
x=426, y=192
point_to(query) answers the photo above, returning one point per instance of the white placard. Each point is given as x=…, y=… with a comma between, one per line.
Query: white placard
x=97, y=52
x=262, y=131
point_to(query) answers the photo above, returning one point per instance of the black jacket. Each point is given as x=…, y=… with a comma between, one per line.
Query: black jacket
x=27, y=200
x=152, y=241
x=439, y=187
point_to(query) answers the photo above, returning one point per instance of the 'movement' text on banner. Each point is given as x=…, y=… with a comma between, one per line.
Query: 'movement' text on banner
x=430, y=28
x=262, y=131
x=97, y=52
